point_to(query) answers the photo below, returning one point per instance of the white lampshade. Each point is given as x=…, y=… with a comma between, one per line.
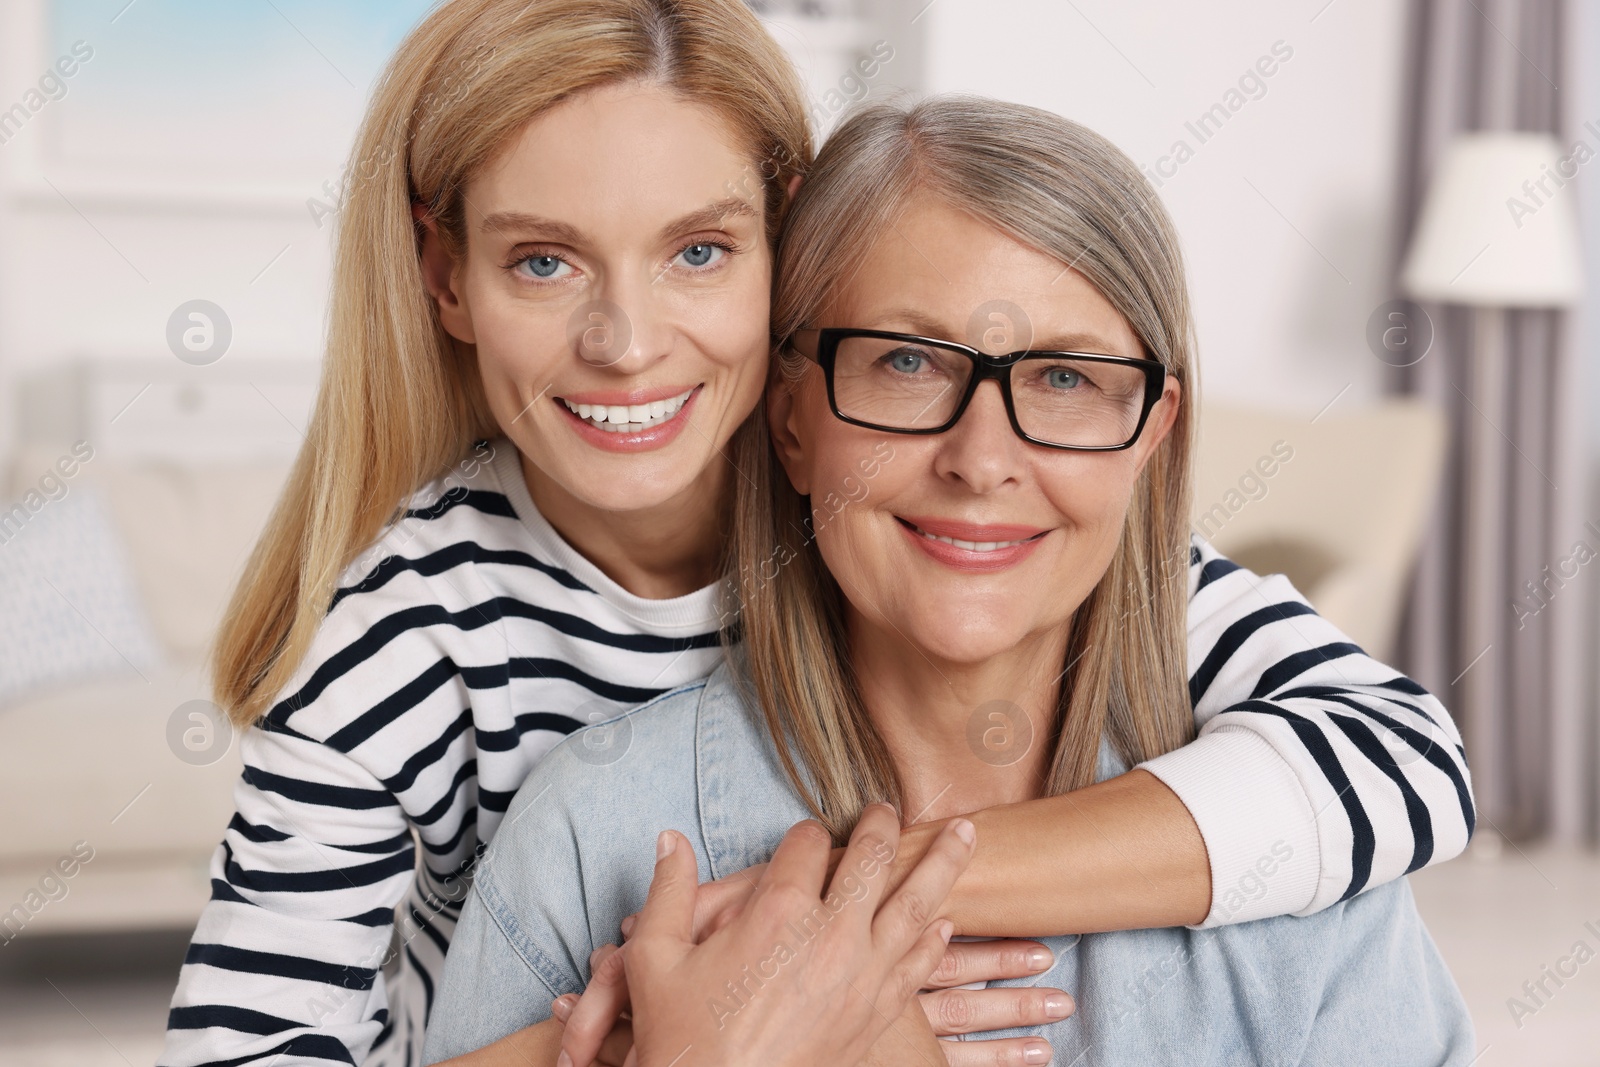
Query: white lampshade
x=1489, y=235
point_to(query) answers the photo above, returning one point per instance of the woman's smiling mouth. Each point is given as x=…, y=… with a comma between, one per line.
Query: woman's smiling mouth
x=629, y=418
x=972, y=547
x=629, y=422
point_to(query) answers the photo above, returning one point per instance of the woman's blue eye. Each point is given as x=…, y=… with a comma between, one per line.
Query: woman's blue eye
x=543, y=266
x=700, y=255
x=906, y=361
x=1060, y=378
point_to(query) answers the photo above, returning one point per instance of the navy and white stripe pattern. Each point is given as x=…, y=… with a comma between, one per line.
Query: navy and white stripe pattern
x=1372, y=781
x=474, y=638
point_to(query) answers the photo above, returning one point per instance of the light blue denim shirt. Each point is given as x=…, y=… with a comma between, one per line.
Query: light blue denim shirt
x=1357, y=983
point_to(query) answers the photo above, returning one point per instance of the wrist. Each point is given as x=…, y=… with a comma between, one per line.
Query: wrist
x=915, y=841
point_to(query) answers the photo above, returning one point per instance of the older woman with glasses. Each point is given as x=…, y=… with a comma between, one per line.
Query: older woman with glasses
x=1002, y=570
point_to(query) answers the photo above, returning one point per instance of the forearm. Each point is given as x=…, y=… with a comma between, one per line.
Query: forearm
x=532, y=1046
x=1122, y=854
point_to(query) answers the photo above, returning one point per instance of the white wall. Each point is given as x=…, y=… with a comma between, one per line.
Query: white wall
x=192, y=157
x=91, y=272
x=1284, y=213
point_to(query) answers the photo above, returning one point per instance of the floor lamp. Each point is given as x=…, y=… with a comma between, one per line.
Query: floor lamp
x=1497, y=231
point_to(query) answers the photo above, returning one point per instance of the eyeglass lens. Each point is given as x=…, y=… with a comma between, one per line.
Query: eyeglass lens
x=907, y=386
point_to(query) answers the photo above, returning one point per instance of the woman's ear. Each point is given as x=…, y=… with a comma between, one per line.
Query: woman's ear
x=1162, y=418
x=794, y=187
x=788, y=436
x=442, y=279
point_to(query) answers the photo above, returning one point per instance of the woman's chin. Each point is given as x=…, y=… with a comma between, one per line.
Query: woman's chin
x=604, y=491
x=947, y=637
x=620, y=484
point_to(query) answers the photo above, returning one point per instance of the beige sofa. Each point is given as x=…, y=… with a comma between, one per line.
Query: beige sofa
x=1338, y=504
x=91, y=760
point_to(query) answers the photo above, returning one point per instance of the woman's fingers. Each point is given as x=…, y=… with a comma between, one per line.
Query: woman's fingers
x=669, y=909
x=717, y=904
x=985, y=961
x=976, y=1011
x=909, y=973
x=617, y=1048
x=801, y=861
x=916, y=901
x=618, y=1045
x=591, y=1021
x=863, y=870
x=720, y=902
x=1001, y=1052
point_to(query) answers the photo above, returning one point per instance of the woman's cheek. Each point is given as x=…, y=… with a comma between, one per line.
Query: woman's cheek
x=1090, y=495
x=851, y=550
x=735, y=324
x=850, y=469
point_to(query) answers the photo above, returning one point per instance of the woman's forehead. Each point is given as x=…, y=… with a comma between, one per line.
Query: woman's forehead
x=940, y=271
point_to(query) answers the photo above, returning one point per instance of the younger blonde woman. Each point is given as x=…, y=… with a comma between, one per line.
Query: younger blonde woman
x=548, y=329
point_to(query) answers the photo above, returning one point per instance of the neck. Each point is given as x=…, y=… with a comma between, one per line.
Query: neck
x=963, y=736
x=668, y=550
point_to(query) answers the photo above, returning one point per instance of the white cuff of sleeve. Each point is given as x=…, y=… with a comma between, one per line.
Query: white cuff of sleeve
x=1258, y=824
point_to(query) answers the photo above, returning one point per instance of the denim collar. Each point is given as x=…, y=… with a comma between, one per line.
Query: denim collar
x=747, y=801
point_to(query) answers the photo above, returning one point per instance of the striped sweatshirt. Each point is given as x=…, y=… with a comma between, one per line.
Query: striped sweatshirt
x=471, y=638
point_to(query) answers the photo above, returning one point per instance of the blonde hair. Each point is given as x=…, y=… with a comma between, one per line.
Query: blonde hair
x=1064, y=190
x=400, y=401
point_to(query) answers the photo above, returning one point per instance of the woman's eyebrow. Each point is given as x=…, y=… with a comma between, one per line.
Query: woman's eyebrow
x=1077, y=341
x=1087, y=343
x=521, y=222
x=711, y=216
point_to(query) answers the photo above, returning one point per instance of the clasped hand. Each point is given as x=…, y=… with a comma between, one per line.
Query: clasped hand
x=785, y=964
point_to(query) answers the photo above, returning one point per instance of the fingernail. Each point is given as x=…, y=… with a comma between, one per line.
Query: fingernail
x=1058, y=1005
x=947, y=929
x=1039, y=1053
x=665, y=843
x=1040, y=958
x=564, y=1060
x=965, y=830
x=627, y=926
x=561, y=1008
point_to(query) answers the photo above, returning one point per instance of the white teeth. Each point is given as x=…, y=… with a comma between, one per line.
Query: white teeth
x=973, y=546
x=629, y=418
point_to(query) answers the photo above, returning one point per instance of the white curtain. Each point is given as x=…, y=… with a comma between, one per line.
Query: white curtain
x=1510, y=652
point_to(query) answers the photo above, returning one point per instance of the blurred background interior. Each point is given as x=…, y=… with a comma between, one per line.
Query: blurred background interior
x=1389, y=216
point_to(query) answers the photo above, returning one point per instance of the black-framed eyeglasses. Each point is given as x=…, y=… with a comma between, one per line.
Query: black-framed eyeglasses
x=903, y=383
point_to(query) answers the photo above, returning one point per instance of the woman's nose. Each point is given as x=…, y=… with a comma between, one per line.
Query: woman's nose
x=981, y=449
x=624, y=330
